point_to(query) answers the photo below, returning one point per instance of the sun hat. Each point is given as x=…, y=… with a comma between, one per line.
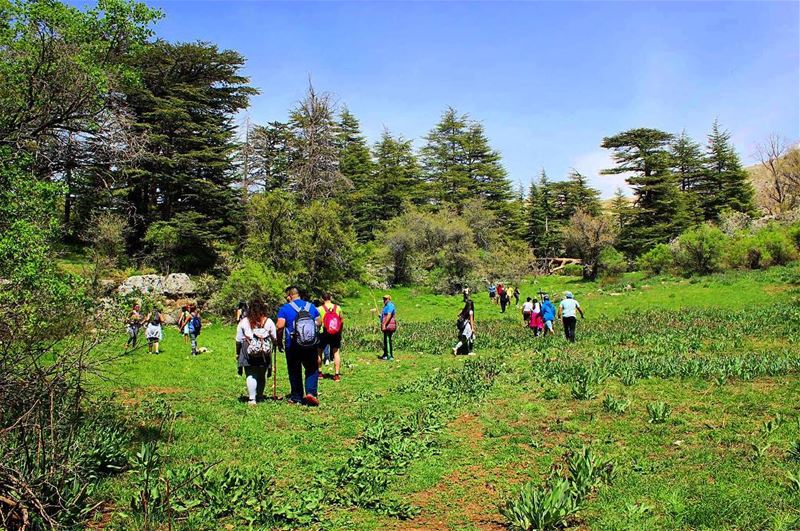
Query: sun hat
x=568, y=294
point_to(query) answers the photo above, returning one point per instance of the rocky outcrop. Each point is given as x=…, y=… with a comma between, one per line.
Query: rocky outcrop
x=178, y=285
x=174, y=286
x=150, y=284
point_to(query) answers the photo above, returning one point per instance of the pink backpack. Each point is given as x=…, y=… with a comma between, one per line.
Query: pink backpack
x=332, y=322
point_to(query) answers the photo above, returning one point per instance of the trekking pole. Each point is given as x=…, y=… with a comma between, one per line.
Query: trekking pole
x=274, y=374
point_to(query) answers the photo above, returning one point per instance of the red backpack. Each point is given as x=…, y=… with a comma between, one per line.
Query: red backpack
x=332, y=322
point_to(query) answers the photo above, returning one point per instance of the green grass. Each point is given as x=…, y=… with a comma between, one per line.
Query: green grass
x=694, y=471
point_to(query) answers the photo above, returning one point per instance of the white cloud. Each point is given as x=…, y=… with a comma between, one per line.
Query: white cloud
x=590, y=164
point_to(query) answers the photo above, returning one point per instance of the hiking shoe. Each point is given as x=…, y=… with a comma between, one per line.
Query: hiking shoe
x=385, y=358
x=292, y=401
x=251, y=403
x=311, y=400
x=336, y=377
x=327, y=362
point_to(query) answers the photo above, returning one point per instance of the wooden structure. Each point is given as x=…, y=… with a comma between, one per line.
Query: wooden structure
x=552, y=265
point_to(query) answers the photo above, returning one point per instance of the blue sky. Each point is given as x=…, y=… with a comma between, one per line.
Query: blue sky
x=548, y=80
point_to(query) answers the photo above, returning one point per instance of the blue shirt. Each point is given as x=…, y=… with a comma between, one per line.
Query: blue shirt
x=290, y=314
x=548, y=311
x=388, y=309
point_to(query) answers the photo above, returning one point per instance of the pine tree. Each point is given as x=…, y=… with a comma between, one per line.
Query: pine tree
x=355, y=164
x=725, y=184
x=544, y=230
x=580, y=196
x=536, y=221
x=273, y=155
x=688, y=167
x=397, y=177
x=659, y=212
x=185, y=104
x=620, y=210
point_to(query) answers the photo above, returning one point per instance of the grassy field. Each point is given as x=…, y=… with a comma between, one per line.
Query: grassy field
x=433, y=441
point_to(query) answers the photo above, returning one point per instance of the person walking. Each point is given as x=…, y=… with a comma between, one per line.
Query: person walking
x=239, y=314
x=183, y=322
x=527, y=311
x=466, y=329
x=154, y=332
x=256, y=333
x=504, y=300
x=133, y=324
x=194, y=327
x=536, y=322
x=566, y=311
x=298, y=322
x=493, y=292
x=331, y=333
x=548, y=315
x=516, y=296
x=388, y=327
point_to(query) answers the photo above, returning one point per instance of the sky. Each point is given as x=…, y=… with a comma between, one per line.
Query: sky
x=548, y=80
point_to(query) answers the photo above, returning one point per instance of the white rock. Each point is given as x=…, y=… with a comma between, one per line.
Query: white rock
x=178, y=285
x=144, y=283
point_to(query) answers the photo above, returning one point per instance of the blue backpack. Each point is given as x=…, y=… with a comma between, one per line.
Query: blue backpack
x=304, y=333
x=195, y=325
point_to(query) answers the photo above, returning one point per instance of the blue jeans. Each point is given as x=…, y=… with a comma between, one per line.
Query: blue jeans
x=193, y=339
x=297, y=359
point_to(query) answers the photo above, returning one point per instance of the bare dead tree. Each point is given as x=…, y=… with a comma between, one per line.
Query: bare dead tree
x=314, y=172
x=781, y=163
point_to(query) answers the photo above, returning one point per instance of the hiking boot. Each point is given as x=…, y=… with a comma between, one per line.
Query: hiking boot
x=311, y=400
x=251, y=403
x=385, y=358
x=336, y=377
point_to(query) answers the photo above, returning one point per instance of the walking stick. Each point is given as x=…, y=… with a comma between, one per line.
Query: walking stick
x=274, y=374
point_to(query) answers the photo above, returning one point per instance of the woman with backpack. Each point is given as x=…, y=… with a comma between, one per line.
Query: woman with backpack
x=388, y=327
x=154, y=332
x=134, y=323
x=257, y=334
x=193, y=327
x=331, y=333
x=466, y=329
x=536, y=322
x=183, y=323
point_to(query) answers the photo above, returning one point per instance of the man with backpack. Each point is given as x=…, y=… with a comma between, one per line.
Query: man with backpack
x=298, y=321
x=193, y=327
x=388, y=327
x=548, y=315
x=331, y=333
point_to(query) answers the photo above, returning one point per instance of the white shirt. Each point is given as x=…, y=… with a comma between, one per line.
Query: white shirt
x=568, y=307
x=244, y=330
x=537, y=308
x=527, y=306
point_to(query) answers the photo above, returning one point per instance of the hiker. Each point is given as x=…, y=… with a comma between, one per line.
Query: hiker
x=504, y=299
x=492, y=292
x=183, y=323
x=256, y=334
x=194, y=327
x=153, y=332
x=466, y=330
x=548, y=315
x=566, y=311
x=536, y=323
x=527, y=311
x=516, y=297
x=298, y=321
x=388, y=327
x=330, y=336
x=239, y=314
x=134, y=323
x=465, y=293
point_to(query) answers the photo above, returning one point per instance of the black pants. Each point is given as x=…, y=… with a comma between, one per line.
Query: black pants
x=388, y=350
x=503, y=303
x=297, y=359
x=569, y=327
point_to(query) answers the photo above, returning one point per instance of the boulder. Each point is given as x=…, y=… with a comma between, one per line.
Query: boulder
x=178, y=285
x=144, y=283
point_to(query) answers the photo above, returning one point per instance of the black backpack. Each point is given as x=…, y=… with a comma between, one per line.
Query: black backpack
x=155, y=318
x=461, y=323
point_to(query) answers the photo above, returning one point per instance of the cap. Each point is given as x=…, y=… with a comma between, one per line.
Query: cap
x=568, y=294
x=387, y=297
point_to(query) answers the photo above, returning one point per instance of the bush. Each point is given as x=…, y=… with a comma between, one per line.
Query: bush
x=778, y=244
x=251, y=281
x=612, y=263
x=771, y=245
x=699, y=250
x=657, y=260
x=572, y=270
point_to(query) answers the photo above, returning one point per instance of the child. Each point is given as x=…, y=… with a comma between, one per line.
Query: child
x=537, y=323
x=153, y=332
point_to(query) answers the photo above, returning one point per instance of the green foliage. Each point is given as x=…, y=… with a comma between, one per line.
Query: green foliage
x=585, y=237
x=551, y=505
x=251, y=281
x=572, y=270
x=659, y=412
x=699, y=250
x=725, y=184
x=615, y=405
x=793, y=452
x=657, y=260
x=612, y=263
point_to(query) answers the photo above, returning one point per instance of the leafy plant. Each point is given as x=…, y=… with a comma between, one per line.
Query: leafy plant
x=794, y=482
x=615, y=405
x=793, y=452
x=659, y=412
x=758, y=450
x=541, y=507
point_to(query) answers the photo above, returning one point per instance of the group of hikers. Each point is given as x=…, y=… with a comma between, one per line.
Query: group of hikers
x=539, y=317
x=310, y=336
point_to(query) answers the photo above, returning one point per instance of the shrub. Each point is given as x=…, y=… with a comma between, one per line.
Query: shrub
x=659, y=412
x=771, y=245
x=699, y=250
x=612, y=263
x=572, y=270
x=541, y=507
x=657, y=260
x=794, y=234
x=776, y=241
x=250, y=281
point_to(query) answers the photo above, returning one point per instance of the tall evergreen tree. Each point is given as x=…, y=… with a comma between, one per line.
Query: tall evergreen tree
x=544, y=229
x=355, y=164
x=620, y=210
x=273, y=155
x=459, y=165
x=725, y=184
x=396, y=179
x=659, y=213
x=580, y=196
x=185, y=106
x=688, y=165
